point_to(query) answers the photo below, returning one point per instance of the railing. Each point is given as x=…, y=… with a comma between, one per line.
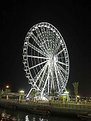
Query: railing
x=65, y=105
x=57, y=104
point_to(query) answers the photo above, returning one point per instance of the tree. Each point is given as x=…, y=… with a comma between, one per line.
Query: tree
x=75, y=85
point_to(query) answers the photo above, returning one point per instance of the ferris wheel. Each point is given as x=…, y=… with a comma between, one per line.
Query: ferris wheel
x=46, y=59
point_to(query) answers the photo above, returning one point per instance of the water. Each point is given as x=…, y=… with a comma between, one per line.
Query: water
x=24, y=116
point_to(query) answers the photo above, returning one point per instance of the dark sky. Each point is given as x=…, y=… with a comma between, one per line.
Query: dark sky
x=72, y=19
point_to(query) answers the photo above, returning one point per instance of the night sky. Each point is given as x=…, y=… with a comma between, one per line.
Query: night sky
x=72, y=19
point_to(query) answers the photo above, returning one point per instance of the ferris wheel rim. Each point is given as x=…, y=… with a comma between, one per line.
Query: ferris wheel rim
x=60, y=68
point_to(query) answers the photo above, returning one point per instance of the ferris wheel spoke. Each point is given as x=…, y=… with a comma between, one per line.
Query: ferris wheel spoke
x=44, y=44
x=52, y=81
x=43, y=31
x=60, y=52
x=45, y=36
x=39, y=34
x=63, y=70
x=29, y=92
x=62, y=63
x=47, y=31
x=40, y=72
x=38, y=42
x=62, y=76
x=36, y=57
x=37, y=65
x=57, y=78
x=45, y=84
x=36, y=49
x=42, y=40
x=58, y=46
x=35, y=39
x=43, y=75
x=50, y=44
x=48, y=86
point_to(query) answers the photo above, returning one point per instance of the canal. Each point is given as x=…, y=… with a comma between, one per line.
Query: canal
x=16, y=115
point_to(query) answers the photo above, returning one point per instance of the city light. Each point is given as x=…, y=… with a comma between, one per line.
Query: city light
x=21, y=95
x=66, y=92
x=21, y=91
x=78, y=96
x=7, y=86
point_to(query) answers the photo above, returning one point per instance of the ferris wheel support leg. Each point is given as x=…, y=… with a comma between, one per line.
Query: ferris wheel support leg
x=57, y=78
x=48, y=86
x=29, y=93
x=42, y=92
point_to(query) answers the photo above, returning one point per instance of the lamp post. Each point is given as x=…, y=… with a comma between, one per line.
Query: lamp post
x=78, y=98
x=21, y=95
x=7, y=86
x=7, y=91
x=66, y=93
x=76, y=85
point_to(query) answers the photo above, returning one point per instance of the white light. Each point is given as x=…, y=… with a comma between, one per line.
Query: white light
x=55, y=59
x=21, y=91
x=78, y=96
x=7, y=86
x=66, y=92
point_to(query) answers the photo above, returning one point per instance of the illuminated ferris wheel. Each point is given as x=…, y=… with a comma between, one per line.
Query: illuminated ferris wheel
x=46, y=59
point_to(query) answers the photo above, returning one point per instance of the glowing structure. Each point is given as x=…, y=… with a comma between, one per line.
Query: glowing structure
x=46, y=60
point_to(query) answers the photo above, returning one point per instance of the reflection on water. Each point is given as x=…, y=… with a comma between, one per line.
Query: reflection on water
x=8, y=115
x=34, y=119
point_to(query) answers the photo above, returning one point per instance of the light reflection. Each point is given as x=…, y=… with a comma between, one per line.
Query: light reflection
x=34, y=119
x=9, y=115
x=41, y=119
x=26, y=118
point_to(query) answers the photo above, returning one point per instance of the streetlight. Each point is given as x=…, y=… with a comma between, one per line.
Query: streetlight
x=78, y=98
x=66, y=93
x=7, y=91
x=7, y=86
x=21, y=92
x=21, y=95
